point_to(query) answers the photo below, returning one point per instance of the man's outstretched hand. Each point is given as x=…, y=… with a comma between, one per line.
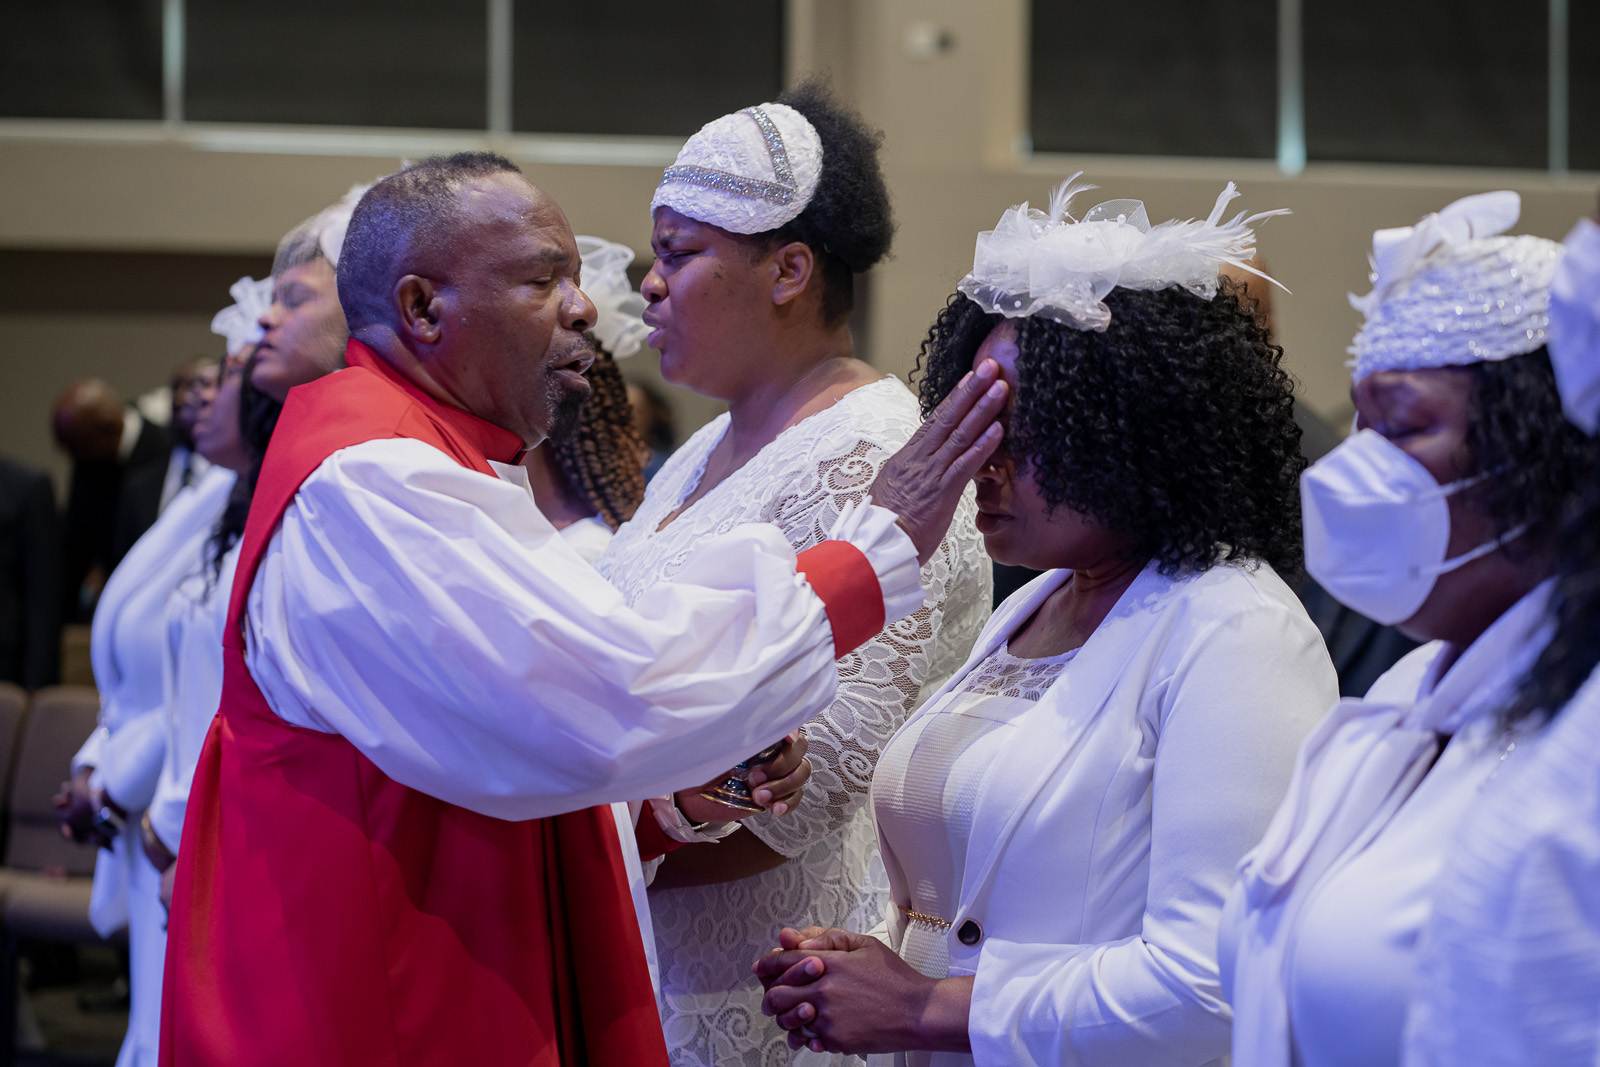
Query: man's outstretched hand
x=923, y=482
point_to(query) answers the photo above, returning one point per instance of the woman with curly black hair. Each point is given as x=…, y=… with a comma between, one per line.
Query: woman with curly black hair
x=1060, y=823
x=1440, y=514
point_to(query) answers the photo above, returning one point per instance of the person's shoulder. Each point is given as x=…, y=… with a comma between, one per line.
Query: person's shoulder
x=871, y=421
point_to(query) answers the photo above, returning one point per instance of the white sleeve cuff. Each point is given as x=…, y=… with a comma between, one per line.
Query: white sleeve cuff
x=675, y=826
x=91, y=754
x=876, y=532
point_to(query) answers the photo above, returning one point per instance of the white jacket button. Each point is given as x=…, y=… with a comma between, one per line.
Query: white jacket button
x=970, y=933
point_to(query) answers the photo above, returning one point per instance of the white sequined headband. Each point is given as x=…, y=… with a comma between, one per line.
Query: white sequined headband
x=1452, y=290
x=749, y=172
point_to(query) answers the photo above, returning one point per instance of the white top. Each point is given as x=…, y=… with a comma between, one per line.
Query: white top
x=1350, y=968
x=801, y=481
x=928, y=779
x=432, y=616
x=126, y=641
x=1508, y=971
x=1320, y=952
x=1104, y=837
x=192, y=683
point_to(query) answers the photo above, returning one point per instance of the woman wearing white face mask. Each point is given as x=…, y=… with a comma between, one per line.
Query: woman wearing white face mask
x=1439, y=514
x=1509, y=966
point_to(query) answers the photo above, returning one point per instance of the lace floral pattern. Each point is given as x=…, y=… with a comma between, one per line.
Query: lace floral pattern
x=1005, y=675
x=707, y=936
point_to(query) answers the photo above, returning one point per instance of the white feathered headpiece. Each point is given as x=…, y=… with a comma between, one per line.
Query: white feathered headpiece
x=1059, y=267
x=619, y=326
x=239, y=321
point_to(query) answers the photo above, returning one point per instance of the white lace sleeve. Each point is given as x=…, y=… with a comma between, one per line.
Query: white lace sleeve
x=880, y=682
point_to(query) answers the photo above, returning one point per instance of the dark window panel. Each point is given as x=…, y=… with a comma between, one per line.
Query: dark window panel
x=1583, y=65
x=641, y=68
x=1155, y=77
x=86, y=59
x=352, y=63
x=1427, y=81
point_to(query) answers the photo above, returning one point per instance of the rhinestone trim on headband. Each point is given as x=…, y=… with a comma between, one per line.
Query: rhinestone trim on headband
x=1489, y=304
x=781, y=191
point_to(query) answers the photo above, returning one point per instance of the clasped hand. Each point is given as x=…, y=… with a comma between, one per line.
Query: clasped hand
x=839, y=991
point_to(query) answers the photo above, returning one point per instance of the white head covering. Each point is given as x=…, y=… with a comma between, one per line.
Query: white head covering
x=1059, y=267
x=1451, y=291
x=1575, y=325
x=239, y=321
x=320, y=236
x=749, y=172
x=618, y=327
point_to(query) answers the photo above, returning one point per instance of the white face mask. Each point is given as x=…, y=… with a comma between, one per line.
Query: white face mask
x=1377, y=526
x=1575, y=325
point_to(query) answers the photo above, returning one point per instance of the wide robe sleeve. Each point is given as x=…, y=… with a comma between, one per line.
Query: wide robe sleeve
x=1231, y=717
x=431, y=616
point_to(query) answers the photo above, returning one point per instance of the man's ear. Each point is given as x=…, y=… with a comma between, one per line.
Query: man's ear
x=420, y=308
x=794, y=264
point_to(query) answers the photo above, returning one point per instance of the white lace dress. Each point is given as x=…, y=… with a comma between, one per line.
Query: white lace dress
x=708, y=936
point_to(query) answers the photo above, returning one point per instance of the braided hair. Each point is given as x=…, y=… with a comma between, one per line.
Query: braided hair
x=603, y=458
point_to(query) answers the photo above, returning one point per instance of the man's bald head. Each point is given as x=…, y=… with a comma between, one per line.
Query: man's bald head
x=87, y=420
x=401, y=220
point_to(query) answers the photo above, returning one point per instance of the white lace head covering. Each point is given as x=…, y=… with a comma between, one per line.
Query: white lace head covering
x=1058, y=267
x=239, y=321
x=749, y=172
x=1451, y=290
x=619, y=325
x=319, y=237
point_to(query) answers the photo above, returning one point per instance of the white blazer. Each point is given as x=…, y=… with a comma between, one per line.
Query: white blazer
x=1105, y=840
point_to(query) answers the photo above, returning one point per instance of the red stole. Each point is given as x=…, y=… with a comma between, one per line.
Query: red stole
x=326, y=915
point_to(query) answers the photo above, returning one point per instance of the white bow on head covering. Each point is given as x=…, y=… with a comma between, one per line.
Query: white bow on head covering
x=239, y=322
x=619, y=325
x=1451, y=291
x=749, y=172
x=1575, y=325
x=1058, y=267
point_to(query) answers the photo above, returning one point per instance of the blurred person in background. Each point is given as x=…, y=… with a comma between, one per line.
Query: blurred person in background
x=30, y=583
x=108, y=442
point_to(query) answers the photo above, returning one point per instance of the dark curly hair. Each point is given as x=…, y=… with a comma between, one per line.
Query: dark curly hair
x=1174, y=427
x=1537, y=460
x=1574, y=649
x=1544, y=478
x=603, y=458
x=258, y=417
x=848, y=224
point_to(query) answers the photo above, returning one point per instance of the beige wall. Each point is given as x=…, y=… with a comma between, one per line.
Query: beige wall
x=954, y=122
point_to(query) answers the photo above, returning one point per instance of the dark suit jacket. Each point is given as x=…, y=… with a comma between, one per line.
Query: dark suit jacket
x=109, y=507
x=30, y=620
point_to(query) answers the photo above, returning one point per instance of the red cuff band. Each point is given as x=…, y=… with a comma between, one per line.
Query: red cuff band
x=652, y=839
x=843, y=579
